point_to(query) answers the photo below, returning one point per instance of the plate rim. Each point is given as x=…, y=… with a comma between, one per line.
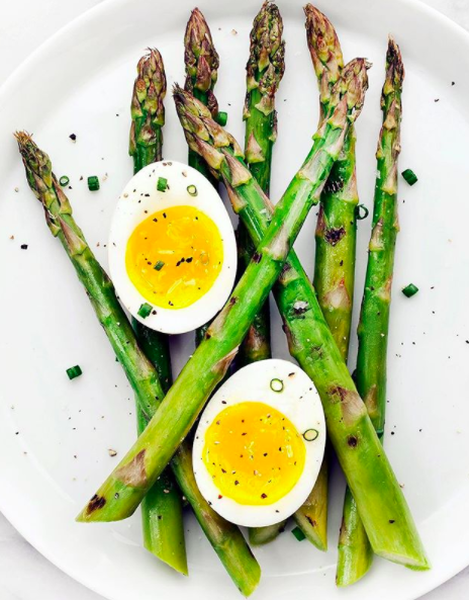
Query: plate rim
x=34, y=59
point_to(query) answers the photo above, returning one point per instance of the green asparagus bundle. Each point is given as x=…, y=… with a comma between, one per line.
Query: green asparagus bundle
x=124, y=489
x=226, y=538
x=201, y=62
x=355, y=552
x=334, y=271
x=379, y=497
x=163, y=528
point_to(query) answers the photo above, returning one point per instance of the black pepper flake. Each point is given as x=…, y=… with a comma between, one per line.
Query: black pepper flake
x=189, y=260
x=263, y=496
x=73, y=137
x=392, y=521
x=24, y=246
x=236, y=482
x=164, y=215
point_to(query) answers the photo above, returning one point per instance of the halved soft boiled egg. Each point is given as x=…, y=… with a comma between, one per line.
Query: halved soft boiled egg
x=260, y=443
x=172, y=248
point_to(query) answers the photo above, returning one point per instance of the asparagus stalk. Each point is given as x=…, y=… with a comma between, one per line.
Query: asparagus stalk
x=201, y=62
x=264, y=71
x=336, y=229
x=147, y=111
x=355, y=553
x=162, y=520
x=124, y=489
x=380, y=500
x=226, y=539
x=335, y=245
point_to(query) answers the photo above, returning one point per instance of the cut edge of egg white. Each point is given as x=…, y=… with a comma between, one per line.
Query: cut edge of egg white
x=138, y=201
x=299, y=401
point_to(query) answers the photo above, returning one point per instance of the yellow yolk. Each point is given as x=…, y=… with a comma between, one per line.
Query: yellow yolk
x=254, y=453
x=174, y=256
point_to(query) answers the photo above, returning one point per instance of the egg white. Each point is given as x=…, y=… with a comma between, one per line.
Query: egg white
x=135, y=206
x=299, y=401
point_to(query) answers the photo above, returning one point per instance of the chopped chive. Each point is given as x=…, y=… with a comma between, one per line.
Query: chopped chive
x=93, y=183
x=276, y=385
x=159, y=265
x=300, y=536
x=310, y=435
x=144, y=310
x=74, y=372
x=410, y=290
x=162, y=184
x=222, y=118
x=409, y=176
x=361, y=212
x=64, y=180
x=192, y=190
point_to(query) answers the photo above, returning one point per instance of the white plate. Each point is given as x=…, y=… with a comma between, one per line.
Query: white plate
x=55, y=434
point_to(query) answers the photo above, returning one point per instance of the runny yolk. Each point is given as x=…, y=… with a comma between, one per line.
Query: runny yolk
x=174, y=256
x=254, y=453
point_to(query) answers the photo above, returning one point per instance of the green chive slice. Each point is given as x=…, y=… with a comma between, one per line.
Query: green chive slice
x=73, y=372
x=410, y=290
x=64, y=180
x=222, y=118
x=311, y=434
x=144, y=310
x=361, y=212
x=192, y=190
x=276, y=385
x=300, y=536
x=159, y=265
x=410, y=176
x=93, y=183
x=162, y=184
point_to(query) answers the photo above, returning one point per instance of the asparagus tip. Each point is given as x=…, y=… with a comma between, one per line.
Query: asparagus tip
x=200, y=56
x=325, y=49
x=394, y=65
x=353, y=83
x=25, y=143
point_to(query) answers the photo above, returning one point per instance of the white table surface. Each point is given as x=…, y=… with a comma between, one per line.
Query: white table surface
x=24, y=573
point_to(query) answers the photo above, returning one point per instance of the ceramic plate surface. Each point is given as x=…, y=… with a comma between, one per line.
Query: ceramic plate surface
x=55, y=434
